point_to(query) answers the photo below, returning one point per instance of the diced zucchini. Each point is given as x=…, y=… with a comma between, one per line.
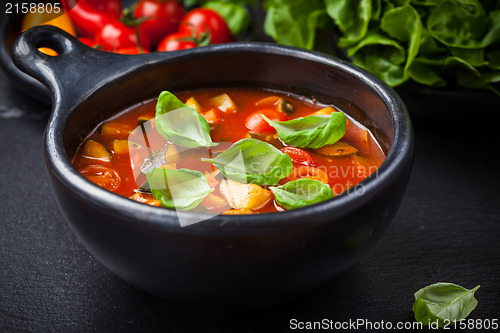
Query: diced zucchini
x=194, y=103
x=116, y=128
x=238, y=212
x=171, y=154
x=94, y=149
x=249, y=196
x=337, y=149
x=213, y=201
x=279, y=103
x=122, y=146
x=224, y=103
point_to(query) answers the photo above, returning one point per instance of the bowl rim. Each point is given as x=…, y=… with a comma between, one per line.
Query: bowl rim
x=398, y=157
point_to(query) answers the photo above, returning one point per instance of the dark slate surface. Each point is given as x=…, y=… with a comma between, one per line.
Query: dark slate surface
x=447, y=229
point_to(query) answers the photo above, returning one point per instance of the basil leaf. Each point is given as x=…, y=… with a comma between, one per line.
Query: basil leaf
x=180, y=123
x=182, y=189
x=443, y=301
x=301, y=192
x=310, y=131
x=235, y=15
x=253, y=161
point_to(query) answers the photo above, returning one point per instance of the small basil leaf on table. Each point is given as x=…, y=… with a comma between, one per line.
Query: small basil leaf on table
x=182, y=189
x=443, y=301
x=180, y=123
x=310, y=131
x=253, y=161
x=301, y=192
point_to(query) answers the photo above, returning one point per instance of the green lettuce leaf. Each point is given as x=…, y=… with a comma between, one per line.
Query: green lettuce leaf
x=352, y=17
x=235, y=15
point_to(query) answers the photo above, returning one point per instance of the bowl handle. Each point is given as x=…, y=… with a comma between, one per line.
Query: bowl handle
x=77, y=70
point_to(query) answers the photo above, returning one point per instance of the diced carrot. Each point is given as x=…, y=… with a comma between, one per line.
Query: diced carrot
x=172, y=154
x=94, y=149
x=194, y=103
x=249, y=196
x=324, y=112
x=145, y=198
x=211, y=180
x=211, y=117
x=224, y=103
x=241, y=211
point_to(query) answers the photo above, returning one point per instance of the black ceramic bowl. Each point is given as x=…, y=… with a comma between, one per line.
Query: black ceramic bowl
x=247, y=260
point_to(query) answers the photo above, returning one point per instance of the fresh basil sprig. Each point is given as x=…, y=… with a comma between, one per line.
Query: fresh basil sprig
x=253, y=161
x=443, y=301
x=301, y=192
x=311, y=131
x=180, y=123
x=182, y=189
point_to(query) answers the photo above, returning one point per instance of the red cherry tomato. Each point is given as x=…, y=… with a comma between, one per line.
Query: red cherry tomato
x=102, y=176
x=87, y=41
x=176, y=41
x=116, y=35
x=163, y=18
x=89, y=16
x=203, y=19
x=255, y=123
x=299, y=156
x=131, y=50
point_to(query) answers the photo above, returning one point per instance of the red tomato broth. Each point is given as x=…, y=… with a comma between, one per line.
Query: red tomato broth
x=343, y=172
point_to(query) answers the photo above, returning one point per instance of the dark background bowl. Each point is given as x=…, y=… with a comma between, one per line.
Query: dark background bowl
x=231, y=261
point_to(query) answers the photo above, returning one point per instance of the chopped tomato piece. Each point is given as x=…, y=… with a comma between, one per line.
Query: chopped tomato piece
x=255, y=123
x=299, y=156
x=102, y=176
x=145, y=198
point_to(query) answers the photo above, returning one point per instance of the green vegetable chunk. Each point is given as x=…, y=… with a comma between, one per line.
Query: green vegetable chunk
x=253, y=161
x=443, y=301
x=182, y=189
x=311, y=131
x=180, y=123
x=301, y=192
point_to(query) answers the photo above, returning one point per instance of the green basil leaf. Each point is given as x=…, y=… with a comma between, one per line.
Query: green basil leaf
x=182, y=189
x=443, y=301
x=253, y=161
x=293, y=22
x=301, y=192
x=310, y=131
x=180, y=123
x=235, y=15
x=458, y=23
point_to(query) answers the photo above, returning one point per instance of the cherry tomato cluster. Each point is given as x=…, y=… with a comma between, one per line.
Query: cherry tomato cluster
x=161, y=25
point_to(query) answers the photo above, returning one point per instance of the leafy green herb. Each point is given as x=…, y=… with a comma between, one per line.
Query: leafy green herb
x=443, y=301
x=182, y=189
x=253, y=161
x=430, y=42
x=294, y=22
x=235, y=15
x=180, y=123
x=311, y=131
x=301, y=192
